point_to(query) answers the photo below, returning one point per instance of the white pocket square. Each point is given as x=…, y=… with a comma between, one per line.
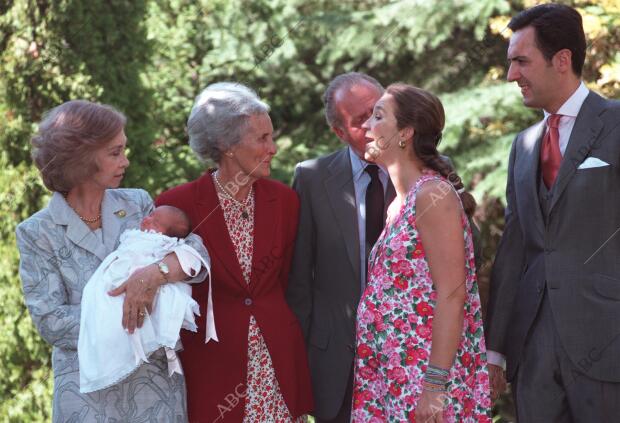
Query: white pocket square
x=591, y=162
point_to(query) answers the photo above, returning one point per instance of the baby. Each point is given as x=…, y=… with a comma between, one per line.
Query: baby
x=107, y=353
x=167, y=220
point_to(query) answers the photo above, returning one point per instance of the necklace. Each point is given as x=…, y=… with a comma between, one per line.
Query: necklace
x=241, y=204
x=84, y=219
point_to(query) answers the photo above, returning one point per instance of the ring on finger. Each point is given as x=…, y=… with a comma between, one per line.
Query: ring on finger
x=142, y=314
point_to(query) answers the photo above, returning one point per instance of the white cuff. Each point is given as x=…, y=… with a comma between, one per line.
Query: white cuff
x=189, y=259
x=493, y=357
x=191, y=263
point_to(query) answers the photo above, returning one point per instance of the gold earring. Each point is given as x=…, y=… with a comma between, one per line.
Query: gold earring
x=401, y=143
x=229, y=154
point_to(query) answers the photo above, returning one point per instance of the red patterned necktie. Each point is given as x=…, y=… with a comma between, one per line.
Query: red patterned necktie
x=550, y=154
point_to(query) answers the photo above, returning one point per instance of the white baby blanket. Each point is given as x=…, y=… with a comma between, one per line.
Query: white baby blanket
x=107, y=353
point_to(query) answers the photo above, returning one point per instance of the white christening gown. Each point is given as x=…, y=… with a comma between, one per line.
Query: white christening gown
x=107, y=353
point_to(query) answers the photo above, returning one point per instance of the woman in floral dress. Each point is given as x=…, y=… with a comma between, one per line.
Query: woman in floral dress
x=420, y=346
x=256, y=371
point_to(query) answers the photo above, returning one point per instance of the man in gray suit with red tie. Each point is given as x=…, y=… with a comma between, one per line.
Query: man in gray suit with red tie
x=343, y=200
x=554, y=310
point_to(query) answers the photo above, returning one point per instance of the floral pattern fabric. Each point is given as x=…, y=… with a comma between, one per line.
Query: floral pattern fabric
x=394, y=330
x=264, y=401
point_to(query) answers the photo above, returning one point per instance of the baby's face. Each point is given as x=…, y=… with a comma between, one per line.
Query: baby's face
x=156, y=221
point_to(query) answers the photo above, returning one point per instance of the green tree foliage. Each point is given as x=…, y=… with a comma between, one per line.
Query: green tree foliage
x=53, y=52
x=150, y=58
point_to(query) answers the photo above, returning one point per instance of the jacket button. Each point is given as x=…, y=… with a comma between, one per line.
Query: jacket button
x=247, y=301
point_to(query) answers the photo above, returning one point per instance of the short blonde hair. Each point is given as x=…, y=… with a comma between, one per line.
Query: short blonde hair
x=68, y=137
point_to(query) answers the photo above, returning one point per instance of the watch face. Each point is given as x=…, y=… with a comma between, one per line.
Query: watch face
x=164, y=268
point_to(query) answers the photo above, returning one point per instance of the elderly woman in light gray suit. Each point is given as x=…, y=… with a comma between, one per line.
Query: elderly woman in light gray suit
x=80, y=152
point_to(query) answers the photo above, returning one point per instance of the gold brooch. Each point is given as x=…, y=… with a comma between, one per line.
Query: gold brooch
x=121, y=213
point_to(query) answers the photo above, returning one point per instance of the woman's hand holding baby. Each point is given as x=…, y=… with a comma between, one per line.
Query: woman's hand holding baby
x=139, y=290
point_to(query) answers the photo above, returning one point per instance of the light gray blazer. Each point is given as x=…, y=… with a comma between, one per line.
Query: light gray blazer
x=58, y=254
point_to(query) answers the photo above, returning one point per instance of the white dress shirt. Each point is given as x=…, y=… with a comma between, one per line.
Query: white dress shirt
x=361, y=179
x=569, y=111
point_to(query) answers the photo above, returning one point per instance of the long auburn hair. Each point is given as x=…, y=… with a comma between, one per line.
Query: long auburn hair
x=423, y=111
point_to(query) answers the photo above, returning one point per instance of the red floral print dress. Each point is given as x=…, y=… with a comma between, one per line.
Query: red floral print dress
x=394, y=322
x=264, y=401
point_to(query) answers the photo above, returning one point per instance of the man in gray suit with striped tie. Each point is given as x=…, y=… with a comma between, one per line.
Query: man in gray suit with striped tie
x=554, y=308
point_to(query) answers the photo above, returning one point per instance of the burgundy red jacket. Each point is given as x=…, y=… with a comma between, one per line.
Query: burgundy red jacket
x=216, y=372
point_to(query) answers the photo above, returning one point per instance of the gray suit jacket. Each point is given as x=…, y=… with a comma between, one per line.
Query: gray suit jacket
x=58, y=254
x=324, y=282
x=572, y=252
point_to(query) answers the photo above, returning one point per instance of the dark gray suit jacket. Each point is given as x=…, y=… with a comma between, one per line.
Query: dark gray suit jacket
x=572, y=252
x=324, y=283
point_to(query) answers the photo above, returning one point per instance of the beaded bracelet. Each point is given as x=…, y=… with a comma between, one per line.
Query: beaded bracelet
x=431, y=387
x=435, y=379
x=426, y=382
x=437, y=371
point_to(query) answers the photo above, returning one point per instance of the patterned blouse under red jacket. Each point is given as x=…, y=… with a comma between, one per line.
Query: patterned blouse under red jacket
x=216, y=373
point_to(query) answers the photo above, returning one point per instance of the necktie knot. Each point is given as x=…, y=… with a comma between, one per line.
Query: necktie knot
x=554, y=121
x=372, y=170
x=550, y=153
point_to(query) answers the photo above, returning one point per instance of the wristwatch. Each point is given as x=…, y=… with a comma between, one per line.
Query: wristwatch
x=164, y=270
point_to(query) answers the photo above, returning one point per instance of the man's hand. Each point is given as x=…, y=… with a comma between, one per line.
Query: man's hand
x=498, y=381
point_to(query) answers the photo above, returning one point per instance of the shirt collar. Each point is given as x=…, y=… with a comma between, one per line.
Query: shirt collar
x=358, y=165
x=572, y=106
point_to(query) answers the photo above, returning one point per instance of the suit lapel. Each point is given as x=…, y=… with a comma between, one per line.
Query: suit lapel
x=528, y=180
x=586, y=130
x=341, y=194
x=114, y=217
x=264, y=213
x=213, y=229
x=77, y=231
